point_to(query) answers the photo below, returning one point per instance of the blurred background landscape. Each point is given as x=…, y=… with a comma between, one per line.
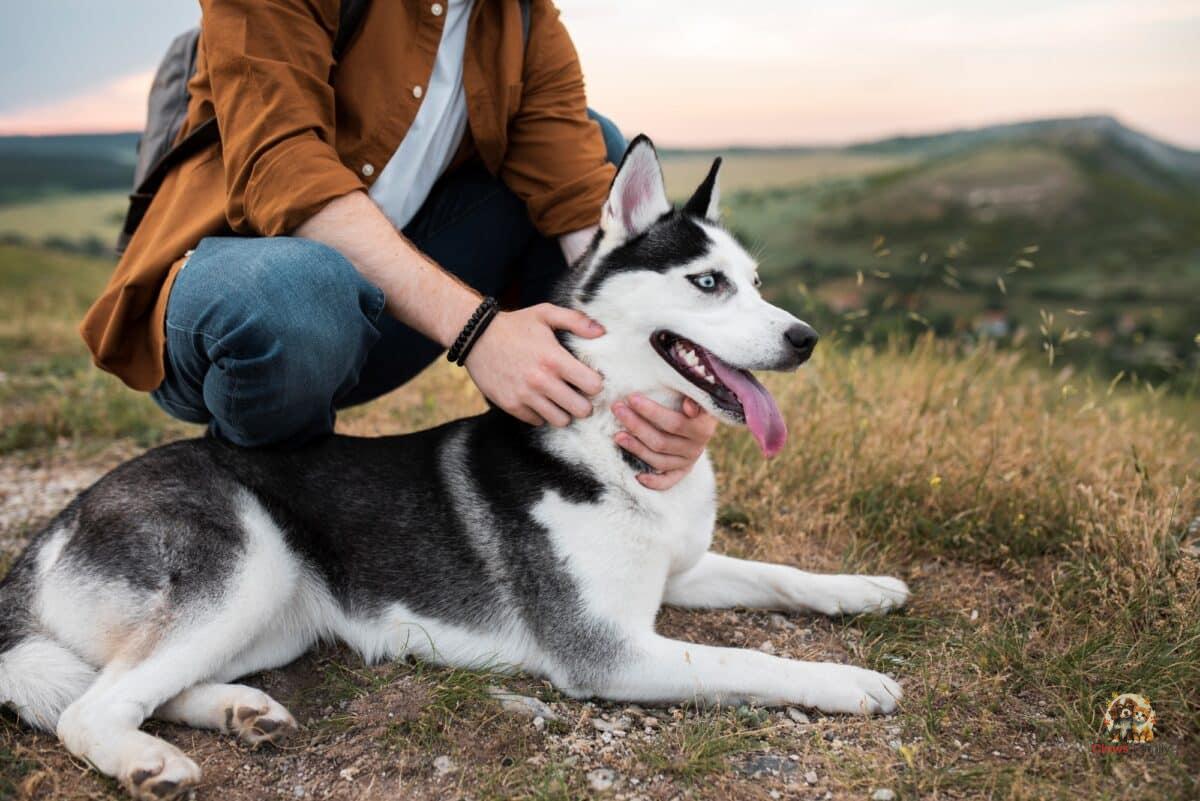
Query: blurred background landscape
x=991, y=211
x=1074, y=239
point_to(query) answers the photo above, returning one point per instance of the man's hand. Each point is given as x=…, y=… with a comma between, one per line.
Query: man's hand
x=520, y=365
x=667, y=440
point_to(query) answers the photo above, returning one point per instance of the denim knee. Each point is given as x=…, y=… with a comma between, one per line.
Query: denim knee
x=272, y=331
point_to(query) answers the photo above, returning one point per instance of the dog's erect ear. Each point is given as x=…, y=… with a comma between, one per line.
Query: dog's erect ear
x=638, y=196
x=706, y=202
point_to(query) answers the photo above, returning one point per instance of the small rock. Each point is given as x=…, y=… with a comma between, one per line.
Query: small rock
x=778, y=621
x=521, y=705
x=539, y=723
x=768, y=764
x=651, y=722
x=443, y=765
x=619, y=725
x=767, y=647
x=895, y=745
x=298, y=791
x=830, y=735
x=797, y=716
x=883, y=795
x=601, y=780
x=811, y=777
x=775, y=794
x=346, y=773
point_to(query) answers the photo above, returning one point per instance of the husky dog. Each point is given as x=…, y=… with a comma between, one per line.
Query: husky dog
x=484, y=541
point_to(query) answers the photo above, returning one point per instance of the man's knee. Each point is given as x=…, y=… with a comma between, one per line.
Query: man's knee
x=286, y=325
x=246, y=296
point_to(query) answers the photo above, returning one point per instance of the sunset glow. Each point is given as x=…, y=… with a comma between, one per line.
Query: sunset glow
x=708, y=72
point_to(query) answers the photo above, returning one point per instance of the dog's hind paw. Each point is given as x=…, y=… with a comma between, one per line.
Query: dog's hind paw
x=163, y=773
x=264, y=720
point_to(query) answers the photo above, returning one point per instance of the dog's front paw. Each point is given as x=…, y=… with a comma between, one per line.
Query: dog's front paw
x=848, y=690
x=853, y=595
x=259, y=719
x=160, y=773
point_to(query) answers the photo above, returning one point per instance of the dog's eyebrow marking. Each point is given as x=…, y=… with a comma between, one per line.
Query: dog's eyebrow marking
x=674, y=240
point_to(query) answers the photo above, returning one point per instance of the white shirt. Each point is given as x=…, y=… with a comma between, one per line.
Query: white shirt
x=431, y=142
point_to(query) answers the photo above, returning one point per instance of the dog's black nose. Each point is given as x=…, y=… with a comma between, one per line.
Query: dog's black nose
x=802, y=338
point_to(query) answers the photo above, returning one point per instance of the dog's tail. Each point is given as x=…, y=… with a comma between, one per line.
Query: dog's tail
x=39, y=677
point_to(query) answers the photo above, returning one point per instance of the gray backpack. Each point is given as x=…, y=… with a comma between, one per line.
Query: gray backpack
x=158, y=150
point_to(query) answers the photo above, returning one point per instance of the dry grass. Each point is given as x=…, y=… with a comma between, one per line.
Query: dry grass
x=1041, y=522
x=755, y=171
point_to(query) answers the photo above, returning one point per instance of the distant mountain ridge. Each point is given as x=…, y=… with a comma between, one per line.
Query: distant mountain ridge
x=33, y=166
x=1063, y=131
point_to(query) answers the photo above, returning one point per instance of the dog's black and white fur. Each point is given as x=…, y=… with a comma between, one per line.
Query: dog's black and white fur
x=483, y=541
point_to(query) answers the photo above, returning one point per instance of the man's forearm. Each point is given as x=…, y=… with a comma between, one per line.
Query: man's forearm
x=419, y=293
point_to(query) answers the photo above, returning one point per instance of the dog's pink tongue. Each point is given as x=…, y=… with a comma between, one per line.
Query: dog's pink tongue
x=762, y=415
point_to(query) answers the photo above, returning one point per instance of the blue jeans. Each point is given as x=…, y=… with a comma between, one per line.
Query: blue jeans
x=268, y=337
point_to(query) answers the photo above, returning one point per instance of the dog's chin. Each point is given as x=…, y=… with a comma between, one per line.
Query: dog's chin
x=730, y=393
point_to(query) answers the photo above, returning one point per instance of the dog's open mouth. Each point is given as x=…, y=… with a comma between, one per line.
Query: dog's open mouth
x=734, y=391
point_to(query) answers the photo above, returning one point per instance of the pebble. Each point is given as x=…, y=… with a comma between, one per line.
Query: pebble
x=883, y=795
x=601, y=779
x=767, y=764
x=895, y=745
x=778, y=621
x=539, y=723
x=298, y=791
x=443, y=765
x=767, y=647
x=811, y=777
x=621, y=724
x=522, y=705
x=797, y=716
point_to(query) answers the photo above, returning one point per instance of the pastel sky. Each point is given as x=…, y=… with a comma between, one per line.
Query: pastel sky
x=716, y=72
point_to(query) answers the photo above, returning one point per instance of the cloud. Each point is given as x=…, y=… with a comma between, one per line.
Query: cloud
x=119, y=105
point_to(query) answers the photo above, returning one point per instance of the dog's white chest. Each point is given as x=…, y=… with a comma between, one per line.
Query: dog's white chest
x=621, y=550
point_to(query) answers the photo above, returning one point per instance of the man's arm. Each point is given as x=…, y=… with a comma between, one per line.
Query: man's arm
x=517, y=363
x=269, y=65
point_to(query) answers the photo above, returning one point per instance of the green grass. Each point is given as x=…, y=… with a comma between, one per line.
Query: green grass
x=50, y=392
x=87, y=220
x=702, y=745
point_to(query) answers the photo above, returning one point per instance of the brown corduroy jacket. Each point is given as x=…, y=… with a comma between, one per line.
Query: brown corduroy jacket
x=298, y=130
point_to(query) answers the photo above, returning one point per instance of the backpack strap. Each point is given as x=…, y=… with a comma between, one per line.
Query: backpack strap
x=526, y=19
x=350, y=19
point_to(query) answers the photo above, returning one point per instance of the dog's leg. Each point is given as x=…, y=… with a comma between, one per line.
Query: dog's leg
x=669, y=671
x=719, y=582
x=251, y=714
x=203, y=638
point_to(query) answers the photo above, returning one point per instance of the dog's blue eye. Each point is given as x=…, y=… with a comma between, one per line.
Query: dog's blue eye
x=706, y=281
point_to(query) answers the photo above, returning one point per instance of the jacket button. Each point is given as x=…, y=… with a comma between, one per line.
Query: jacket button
x=417, y=92
x=436, y=8
x=368, y=170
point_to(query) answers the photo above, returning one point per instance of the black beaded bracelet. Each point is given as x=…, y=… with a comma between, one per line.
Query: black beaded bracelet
x=470, y=332
x=484, y=322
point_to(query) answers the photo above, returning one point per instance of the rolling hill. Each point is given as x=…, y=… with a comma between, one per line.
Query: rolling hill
x=1079, y=235
x=33, y=167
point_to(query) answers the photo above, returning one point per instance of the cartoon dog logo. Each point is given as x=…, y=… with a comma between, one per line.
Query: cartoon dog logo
x=1129, y=719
